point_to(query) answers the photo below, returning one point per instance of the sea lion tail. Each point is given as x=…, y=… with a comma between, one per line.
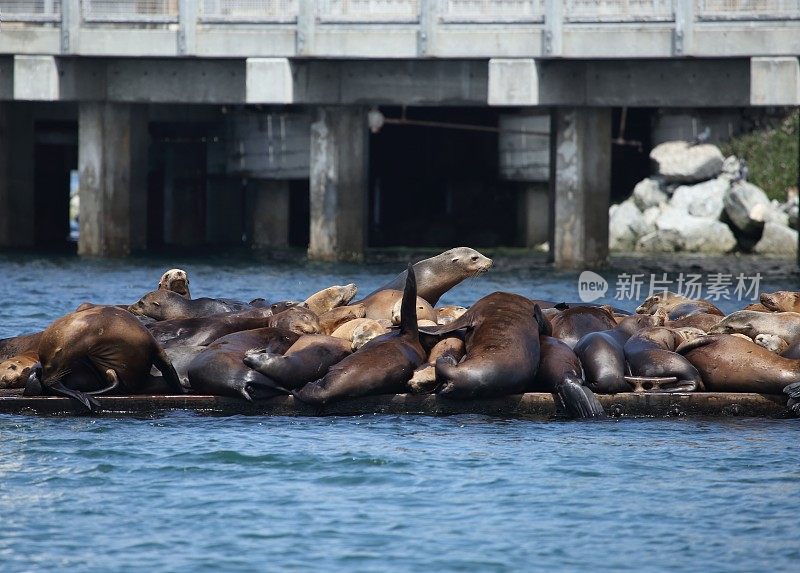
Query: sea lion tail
x=575, y=401
x=408, y=308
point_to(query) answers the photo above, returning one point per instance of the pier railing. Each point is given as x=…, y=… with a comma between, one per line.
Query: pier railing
x=401, y=28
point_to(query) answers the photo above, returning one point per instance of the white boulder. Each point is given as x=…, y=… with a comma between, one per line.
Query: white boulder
x=680, y=162
x=777, y=240
x=648, y=193
x=677, y=230
x=748, y=207
x=702, y=200
x=625, y=225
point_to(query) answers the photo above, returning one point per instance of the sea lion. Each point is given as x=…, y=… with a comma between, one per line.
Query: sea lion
x=757, y=306
x=702, y=320
x=425, y=311
x=330, y=298
x=676, y=305
x=382, y=366
x=654, y=364
x=751, y=323
x=16, y=345
x=367, y=330
x=385, y=305
x=220, y=370
x=437, y=275
x=781, y=301
x=333, y=319
x=771, y=342
x=168, y=305
x=734, y=364
x=447, y=314
x=561, y=374
x=306, y=360
x=15, y=371
x=502, y=348
x=602, y=353
x=175, y=280
x=423, y=380
x=205, y=330
x=99, y=350
x=572, y=324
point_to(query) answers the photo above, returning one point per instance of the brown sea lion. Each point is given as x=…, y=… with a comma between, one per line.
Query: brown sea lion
x=332, y=297
x=572, y=324
x=654, y=364
x=306, y=360
x=15, y=371
x=447, y=314
x=733, y=364
x=175, y=280
x=561, y=374
x=781, y=301
x=99, y=350
x=16, y=345
x=502, y=345
x=423, y=380
x=385, y=304
x=771, y=342
x=220, y=370
x=437, y=275
x=382, y=366
x=702, y=320
x=757, y=306
x=751, y=323
x=676, y=305
x=333, y=319
x=168, y=305
x=367, y=328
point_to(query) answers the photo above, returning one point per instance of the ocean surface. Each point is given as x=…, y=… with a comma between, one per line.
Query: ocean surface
x=186, y=492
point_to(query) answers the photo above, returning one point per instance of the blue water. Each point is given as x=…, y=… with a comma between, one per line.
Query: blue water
x=185, y=492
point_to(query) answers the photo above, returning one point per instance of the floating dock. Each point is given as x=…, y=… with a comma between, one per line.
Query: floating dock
x=527, y=406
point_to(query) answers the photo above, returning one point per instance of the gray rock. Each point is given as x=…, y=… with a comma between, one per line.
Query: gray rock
x=660, y=241
x=677, y=230
x=731, y=167
x=625, y=225
x=777, y=240
x=648, y=193
x=701, y=200
x=747, y=207
x=679, y=162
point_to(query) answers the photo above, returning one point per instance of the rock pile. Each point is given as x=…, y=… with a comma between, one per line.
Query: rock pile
x=699, y=201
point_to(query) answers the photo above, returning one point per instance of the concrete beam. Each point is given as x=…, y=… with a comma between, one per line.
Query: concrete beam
x=36, y=78
x=580, y=164
x=112, y=159
x=17, y=205
x=269, y=80
x=774, y=81
x=338, y=184
x=513, y=82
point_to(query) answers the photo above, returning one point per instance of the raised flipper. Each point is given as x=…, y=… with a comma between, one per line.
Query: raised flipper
x=164, y=365
x=793, y=390
x=575, y=401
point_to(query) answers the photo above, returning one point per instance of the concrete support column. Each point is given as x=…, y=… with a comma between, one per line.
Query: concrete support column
x=269, y=209
x=112, y=159
x=580, y=164
x=338, y=184
x=534, y=214
x=17, y=211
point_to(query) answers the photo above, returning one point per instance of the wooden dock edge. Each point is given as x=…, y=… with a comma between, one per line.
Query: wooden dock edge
x=530, y=406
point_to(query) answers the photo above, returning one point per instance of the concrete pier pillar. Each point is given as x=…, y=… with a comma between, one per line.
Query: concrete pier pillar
x=580, y=168
x=112, y=160
x=534, y=213
x=268, y=204
x=17, y=205
x=338, y=184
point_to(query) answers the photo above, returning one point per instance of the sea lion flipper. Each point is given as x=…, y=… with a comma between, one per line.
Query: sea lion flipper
x=544, y=324
x=168, y=372
x=577, y=401
x=793, y=390
x=408, y=308
x=87, y=401
x=111, y=375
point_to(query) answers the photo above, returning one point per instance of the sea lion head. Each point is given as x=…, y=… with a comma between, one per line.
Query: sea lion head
x=468, y=259
x=175, y=280
x=155, y=304
x=781, y=301
x=298, y=319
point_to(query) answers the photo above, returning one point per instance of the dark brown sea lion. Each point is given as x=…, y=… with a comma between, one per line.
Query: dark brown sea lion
x=676, y=305
x=751, y=323
x=502, y=345
x=730, y=363
x=99, y=350
x=382, y=366
x=15, y=371
x=332, y=297
x=205, y=330
x=560, y=373
x=651, y=355
x=167, y=305
x=602, y=353
x=15, y=345
x=781, y=301
x=333, y=319
x=220, y=369
x=306, y=360
x=437, y=275
x=175, y=280
x=572, y=324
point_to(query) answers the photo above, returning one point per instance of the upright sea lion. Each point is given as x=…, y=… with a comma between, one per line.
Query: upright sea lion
x=572, y=324
x=168, y=305
x=16, y=345
x=781, y=301
x=733, y=364
x=751, y=323
x=437, y=275
x=502, y=345
x=332, y=297
x=306, y=360
x=175, y=280
x=101, y=349
x=220, y=369
x=676, y=305
x=654, y=364
x=560, y=373
x=333, y=319
x=382, y=366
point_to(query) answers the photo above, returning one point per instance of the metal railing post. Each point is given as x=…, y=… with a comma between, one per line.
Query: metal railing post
x=683, y=44
x=187, y=27
x=553, y=25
